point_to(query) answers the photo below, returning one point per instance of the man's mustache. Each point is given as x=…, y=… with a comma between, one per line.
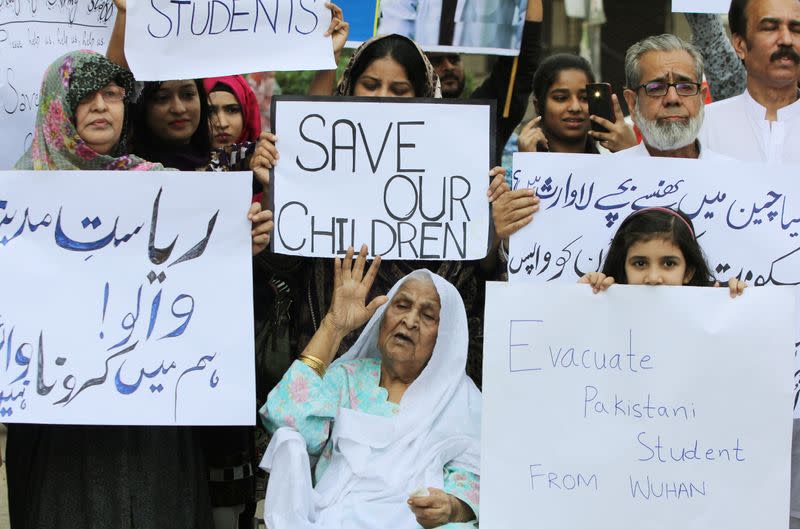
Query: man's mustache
x=449, y=76
x=785, y=53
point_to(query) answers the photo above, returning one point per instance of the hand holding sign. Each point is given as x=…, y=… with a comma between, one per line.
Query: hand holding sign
x=338, y=30
x=262, y=227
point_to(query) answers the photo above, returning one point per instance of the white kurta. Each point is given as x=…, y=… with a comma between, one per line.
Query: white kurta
x=640, y=151
x=737, y=127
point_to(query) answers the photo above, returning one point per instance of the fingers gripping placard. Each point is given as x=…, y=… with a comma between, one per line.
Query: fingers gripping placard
x=407, y=179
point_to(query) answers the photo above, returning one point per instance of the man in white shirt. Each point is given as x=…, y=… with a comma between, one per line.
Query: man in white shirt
x=763, y=123
x=664, y=91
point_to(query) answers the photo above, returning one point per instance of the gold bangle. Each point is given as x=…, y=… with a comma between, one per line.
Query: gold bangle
x=314, y=363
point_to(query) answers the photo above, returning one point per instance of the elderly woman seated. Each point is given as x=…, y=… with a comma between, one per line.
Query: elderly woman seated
x=394, y=422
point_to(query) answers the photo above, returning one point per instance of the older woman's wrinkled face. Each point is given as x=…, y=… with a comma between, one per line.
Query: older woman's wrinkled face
x=410, y=324
x=99, y=117
x=173, y=112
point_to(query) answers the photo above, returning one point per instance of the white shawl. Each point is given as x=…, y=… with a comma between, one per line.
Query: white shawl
x=377, y=461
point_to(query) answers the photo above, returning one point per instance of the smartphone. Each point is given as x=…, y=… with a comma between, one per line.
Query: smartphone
x=600, y=104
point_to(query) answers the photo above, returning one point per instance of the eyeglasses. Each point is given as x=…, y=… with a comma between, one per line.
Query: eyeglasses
x=110, y=94
x=660, y=88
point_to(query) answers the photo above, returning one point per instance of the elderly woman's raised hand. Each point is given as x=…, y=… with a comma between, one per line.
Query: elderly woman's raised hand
x=351, y=286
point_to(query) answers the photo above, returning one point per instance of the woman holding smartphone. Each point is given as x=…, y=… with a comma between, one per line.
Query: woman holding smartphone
x=561, y=101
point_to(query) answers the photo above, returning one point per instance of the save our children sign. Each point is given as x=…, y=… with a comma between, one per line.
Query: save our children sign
x=408, y=179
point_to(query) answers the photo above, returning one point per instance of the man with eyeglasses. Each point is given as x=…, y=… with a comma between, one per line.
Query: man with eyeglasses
x=663, y=75
x=763, y=123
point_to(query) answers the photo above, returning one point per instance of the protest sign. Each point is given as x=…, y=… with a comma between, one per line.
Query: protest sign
x=225, y=37
x=700, y=6
x=636, y=408
x=471, y=26
x=748, y=227
x=31, y=37
x=407, y=178
x=134, y=311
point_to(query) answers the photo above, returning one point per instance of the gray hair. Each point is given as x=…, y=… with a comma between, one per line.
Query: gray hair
x=666, y=42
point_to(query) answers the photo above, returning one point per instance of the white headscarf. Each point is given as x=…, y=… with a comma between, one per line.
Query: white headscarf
x=377, y=460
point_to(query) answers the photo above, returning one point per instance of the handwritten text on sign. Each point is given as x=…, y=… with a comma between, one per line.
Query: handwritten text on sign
x=186, y=33
x=125, y=312
x=746, y=215
x=32, y=35
x=644, y=407
x=391, y=175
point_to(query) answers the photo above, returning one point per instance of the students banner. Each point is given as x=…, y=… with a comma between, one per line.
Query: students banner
x=225, y=37
x=128, y=312
x=636, y=408
x=407, y=178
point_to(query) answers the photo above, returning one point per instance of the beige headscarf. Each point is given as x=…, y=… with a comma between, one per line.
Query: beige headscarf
x=347, y=83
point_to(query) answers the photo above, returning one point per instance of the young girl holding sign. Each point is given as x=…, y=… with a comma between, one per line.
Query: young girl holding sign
x=656, y=246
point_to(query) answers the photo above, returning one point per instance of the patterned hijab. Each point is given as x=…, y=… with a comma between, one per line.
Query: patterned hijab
x=347, y=83
x=56, y=143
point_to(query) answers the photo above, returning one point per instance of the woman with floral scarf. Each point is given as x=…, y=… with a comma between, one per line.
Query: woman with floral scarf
x=88, y=476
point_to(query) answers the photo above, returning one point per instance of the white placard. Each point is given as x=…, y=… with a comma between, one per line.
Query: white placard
x=134, y=310
x=636, y=408
x=745, y=214
x=32, y=35
x=701, y=6
x=383, y=173
x=225, y=37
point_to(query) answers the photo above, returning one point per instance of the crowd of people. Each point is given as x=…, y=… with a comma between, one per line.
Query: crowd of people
x=381, y=427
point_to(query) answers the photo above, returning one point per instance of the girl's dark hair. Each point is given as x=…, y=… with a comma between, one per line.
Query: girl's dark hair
x=401, y=50
x=653, y=224
x=549, y=69
x=146, y=145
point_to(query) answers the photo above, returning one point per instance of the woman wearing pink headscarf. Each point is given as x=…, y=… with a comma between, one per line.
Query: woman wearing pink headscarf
x=234, y=113
x=235, y=124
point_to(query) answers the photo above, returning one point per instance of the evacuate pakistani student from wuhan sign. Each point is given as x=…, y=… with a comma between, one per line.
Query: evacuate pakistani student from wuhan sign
x=408, y=179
